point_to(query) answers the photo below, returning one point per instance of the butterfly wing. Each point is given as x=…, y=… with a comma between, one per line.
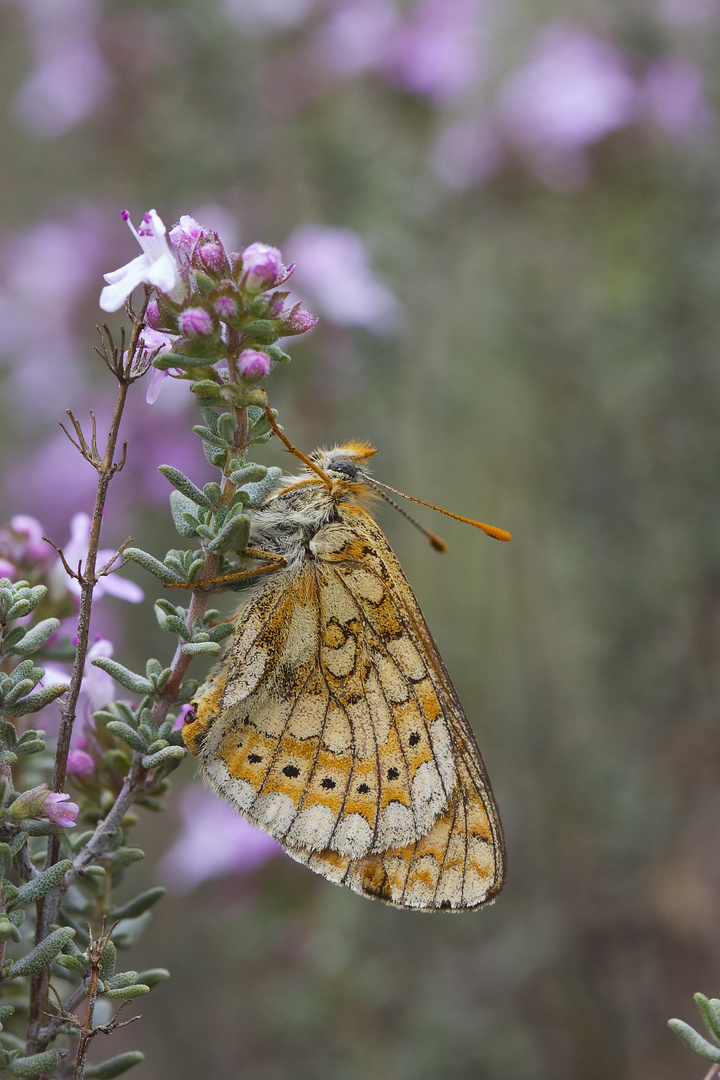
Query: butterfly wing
x=332, y=724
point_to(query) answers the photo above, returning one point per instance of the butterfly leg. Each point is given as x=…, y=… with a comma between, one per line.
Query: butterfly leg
x=276, y=562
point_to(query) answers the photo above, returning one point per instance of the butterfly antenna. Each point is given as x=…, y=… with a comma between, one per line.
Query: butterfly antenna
x=294, y=450
x=491, y=530
x=437, y=541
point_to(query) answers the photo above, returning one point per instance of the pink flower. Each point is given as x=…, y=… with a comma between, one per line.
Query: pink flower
x=58, y=808
x=252, y=365
x=75, y=552
x=333, y=266
x=214, y=840
x=39, y=802
x=574, y=90
x=226, y=307
x=262, y=268
x=156, y=266
x=21, y=541
x=80, y=766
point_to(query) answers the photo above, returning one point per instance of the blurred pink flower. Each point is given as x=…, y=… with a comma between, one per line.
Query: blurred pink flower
x=438, y=52
x=332, y=266
x=214, y=840
x=21, y=542
x=674, y=99
x=97, y=691
x=70, y=79
x=80, y=766
x=156, y=266
x=75, y=551
x=574, y=90
x=45, y=274
x=434, y=51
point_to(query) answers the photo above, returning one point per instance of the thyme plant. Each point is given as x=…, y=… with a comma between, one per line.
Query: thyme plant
x=212, y=318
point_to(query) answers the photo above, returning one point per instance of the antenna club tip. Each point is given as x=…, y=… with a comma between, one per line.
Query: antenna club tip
x=436, y=541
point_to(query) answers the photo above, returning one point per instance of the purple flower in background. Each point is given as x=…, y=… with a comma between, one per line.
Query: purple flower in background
x=75, y=552
x=97, y=691
x=156, y=266
x=80, y=766
x=22, y=544
x=437, y=53
x=574, y=90
x=214, y=840
x=355, y=36
x=45, y=273
x=674, y=99
x=333, y=267
x=70, y=79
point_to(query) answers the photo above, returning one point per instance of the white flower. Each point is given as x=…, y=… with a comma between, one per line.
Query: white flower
x=156, y=265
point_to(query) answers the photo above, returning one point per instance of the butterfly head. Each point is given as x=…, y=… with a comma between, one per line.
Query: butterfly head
x=346, y=462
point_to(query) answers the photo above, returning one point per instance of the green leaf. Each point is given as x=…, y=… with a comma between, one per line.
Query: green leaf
x=152, y=565
x=180, y=505
x=143, y=902
x=109, y=958
x=33, y=639
x=185, y=485
x=168, y=360
x=694, y=1041
x=114, y=1066
x=128, y=735
x=43, y=883
x=233, y=536
x=128, y=992
x=36, y=1063
x=42, y=955
x=36, y=701
x=137, y=684
x=170, y=755
x=201, y=648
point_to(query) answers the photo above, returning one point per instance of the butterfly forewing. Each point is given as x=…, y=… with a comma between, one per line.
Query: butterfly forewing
x=331, y=723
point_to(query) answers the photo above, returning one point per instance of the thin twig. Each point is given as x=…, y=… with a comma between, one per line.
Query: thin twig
x=48, y=908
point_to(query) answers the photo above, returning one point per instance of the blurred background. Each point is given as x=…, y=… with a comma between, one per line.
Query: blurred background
x=507, y=217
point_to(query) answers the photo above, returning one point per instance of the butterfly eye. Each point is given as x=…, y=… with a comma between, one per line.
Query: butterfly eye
x=346, y=468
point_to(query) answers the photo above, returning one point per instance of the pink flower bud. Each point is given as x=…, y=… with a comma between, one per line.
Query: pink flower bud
x=253, y=365
x=262, y=267
x=276, y=305
x=196, y=322
x=299, y=322
x=226, y=307
x=186, y=234
x=80, y=766
x=213, y=258
x=153, y=319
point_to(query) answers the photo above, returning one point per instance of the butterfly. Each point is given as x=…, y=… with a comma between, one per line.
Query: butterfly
x=331, y=721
